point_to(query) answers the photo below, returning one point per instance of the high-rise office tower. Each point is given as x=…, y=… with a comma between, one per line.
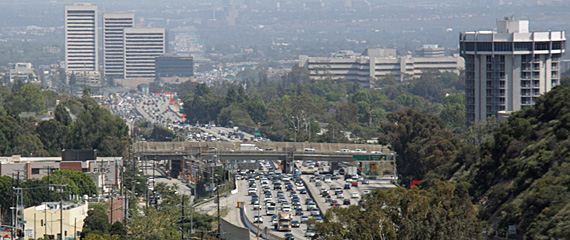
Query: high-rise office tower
x=142, y=46
x=81, y=38
x=113, y=49
x=506, y=70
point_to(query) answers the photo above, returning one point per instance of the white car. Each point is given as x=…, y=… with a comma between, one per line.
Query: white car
x=328, y=180
x=257, y=219
x=315, y=211
x=309, y=233
x=256, y=207
x=270, y=210
x=354, y=195
x=251, y=191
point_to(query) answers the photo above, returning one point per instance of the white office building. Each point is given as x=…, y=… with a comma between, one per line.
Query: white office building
x=81, y=38
x=508, y=69
x=142, y=46
x=375, y=63
x=113, y=49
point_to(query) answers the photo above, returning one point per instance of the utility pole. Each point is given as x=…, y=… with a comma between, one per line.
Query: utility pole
x=183, y=217
x=219, y=216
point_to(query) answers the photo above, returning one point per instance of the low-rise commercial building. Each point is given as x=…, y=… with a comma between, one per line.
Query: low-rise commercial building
x=46, y=220
x=375, y=63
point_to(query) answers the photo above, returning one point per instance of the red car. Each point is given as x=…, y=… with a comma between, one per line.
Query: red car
x=355, y=184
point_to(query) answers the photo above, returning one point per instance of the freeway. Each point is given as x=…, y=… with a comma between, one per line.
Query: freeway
x=251, y=212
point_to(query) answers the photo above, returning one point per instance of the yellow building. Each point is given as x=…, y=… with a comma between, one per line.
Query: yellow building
x=46, y=219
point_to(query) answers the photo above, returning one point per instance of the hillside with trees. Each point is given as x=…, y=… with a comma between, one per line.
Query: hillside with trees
x=92, y=127
x=521, y=175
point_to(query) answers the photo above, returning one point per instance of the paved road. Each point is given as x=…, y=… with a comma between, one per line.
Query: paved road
x=298, y=233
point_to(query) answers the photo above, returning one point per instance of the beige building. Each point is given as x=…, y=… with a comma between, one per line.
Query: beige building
x=46, y=219
x=375, y=63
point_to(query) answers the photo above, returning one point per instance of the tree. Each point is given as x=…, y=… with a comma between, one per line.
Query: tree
x=422, y=143
x=62, y=116
x=28, y=99
x=53, y=135
x=453, y=112
x=442, y=211
x=97, y=221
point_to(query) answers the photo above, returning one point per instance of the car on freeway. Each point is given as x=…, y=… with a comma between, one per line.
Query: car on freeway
x=365, y=181
x=346, y=202
x=336, y=205
x=311, y=205
x=354, y=195
x=333, y=202
x=304, y=191
x=309, y=233
x=295, y=224
x=289, y=236
x=340, y=196
x=256, y=207
x=355, y=184
x=304, y=219
x=298, y=211
x=315, y=211
x=347, y=186
x=270, y=210
x=257, y=219
x=319, y=219
x=274, y=219
x=366, y=191
x=251, y=191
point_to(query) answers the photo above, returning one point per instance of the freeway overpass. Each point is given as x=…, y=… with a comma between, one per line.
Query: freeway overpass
x=179, y=152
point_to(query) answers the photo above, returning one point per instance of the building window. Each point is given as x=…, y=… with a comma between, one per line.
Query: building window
x=541, y=45
x=484, y=46
x=469, y=46
x=557, y=45
x=35, y=171
x=523, y=46
x=503, y=47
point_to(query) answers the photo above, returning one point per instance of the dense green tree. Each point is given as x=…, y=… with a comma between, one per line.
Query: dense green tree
x=29, y=98
x=97, y=221
x=443, y=211
x=453, y=111
x=422, y=143
x=53, y=135
x=62, y=115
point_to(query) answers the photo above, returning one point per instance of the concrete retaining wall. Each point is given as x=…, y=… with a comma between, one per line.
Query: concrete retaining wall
x=233, y=232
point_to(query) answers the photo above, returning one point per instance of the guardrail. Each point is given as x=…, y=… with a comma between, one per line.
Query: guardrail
x=258, y=231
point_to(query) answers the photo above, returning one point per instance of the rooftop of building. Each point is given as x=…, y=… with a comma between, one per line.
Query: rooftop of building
x=56, y=205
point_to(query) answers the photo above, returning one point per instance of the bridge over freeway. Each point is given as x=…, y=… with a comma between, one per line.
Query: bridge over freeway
x=179, y=152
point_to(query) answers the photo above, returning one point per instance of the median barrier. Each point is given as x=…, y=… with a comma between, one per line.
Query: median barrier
x=258, y=231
